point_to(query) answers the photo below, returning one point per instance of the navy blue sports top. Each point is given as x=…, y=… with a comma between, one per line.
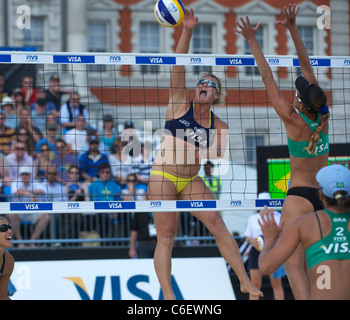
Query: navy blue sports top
x=189, y=130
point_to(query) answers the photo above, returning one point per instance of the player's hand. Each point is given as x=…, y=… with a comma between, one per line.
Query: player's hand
x=190, y=20
x=290, y=15
x=268, y=224
x=245, y=29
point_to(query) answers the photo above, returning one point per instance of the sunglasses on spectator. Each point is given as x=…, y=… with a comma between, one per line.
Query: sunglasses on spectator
x=73, y=172
x=130, y=180
x=20, y=149
x=209, y=83
x=5, y=227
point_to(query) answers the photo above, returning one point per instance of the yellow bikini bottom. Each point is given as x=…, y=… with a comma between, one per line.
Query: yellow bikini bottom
x=179, y=183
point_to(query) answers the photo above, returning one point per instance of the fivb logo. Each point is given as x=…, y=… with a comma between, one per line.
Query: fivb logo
x=32, y=58
x=115, y=59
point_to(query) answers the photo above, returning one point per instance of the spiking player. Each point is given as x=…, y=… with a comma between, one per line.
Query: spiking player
x=191, y=129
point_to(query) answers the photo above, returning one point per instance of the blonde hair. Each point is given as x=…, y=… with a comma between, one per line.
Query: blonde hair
x=315, y=137
x=222, y=91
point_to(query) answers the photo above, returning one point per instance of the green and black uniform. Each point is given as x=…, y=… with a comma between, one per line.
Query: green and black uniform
x=297, y=149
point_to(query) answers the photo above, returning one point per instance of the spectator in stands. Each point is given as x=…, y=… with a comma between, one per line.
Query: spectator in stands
x=71, y=109
x=18, y=99
x=120, y=169
x=133, y=191
x=63, y=161
x=55, y=190
x=17, y=158
x=65, y=222
x=75, y=189
x=4, y=91
x=52, y=118
x=5, y=181
x=41, y=95
x=214, y=183
x=28, y=90
x=25, y=121
x=77, y=136
x=107, y=135
x=104, y=188
x=50, y=138
x=7, y=107
x=23, y=135
x=6, y=135
x=39, y=115
x=28, y=190
x=142, y=164
x=90, y=161
x=43, y=162
x=55, y=91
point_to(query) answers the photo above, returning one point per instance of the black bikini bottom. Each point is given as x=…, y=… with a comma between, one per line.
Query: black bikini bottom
x=308, y=193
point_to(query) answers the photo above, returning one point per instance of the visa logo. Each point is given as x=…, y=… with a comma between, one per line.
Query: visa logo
x=115, y=58
x=156, y=60
x=235, y=61
x=74, y=59
x=195, y=60
x=155, y=203
x=73, y=205
x=314, y=62
x=115, y=205
x=275, y=203
x=32, y=58
x=336, y=247
x=196, y=204
x=31, y=206
x=347, y=62
x=136, y=285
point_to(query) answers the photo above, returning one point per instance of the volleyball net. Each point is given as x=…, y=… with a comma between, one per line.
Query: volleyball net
x=132, y=91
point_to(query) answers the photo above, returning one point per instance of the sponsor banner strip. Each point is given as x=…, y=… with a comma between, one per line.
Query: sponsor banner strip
x=164, y=59
x=138, y=206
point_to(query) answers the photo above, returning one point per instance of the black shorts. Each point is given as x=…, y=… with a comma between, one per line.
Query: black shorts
x=253, y=259
x=308, y=193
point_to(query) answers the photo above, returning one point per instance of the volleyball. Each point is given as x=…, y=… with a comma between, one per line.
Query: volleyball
x=169, y=13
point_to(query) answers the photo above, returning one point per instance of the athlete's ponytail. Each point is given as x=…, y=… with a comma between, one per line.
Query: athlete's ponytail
x=318, y=104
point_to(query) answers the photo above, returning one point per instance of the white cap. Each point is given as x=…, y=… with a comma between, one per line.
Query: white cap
x=6, y=101
x=25, y=169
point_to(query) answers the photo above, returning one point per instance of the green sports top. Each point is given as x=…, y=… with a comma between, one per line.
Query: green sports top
x=296, y=148
x=334, y=246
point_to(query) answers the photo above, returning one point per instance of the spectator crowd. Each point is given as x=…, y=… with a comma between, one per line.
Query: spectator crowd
x=49, y=151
